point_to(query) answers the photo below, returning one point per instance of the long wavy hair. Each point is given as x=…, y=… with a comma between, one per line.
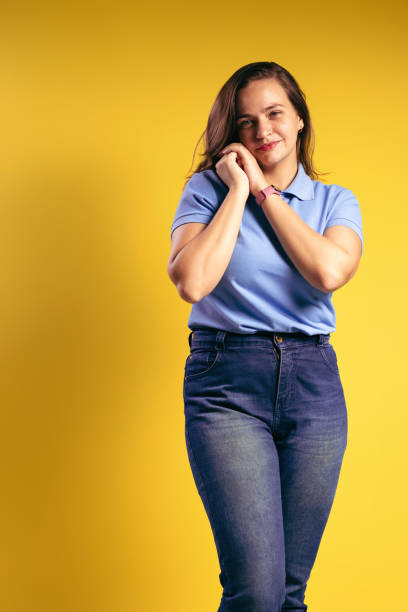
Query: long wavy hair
x=222, y=126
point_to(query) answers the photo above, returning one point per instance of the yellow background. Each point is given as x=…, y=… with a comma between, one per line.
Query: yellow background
x=101, y=107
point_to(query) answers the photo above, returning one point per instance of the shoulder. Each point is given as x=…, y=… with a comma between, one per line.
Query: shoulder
x=206, y=179
x=331, y=192
x=207, y=183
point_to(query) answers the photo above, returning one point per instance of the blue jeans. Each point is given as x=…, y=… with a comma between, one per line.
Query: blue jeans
x=266, y=431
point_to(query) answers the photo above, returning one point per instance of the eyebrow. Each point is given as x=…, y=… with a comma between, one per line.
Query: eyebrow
x=264, y=110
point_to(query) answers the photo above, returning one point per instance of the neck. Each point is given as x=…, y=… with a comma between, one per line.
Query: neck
x=282, y=174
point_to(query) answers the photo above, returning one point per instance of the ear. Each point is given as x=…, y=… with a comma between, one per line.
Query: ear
x=301, y=123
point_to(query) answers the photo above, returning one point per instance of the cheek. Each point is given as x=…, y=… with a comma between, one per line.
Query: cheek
x=243, y=136
x=289, y=128
x=246, y=141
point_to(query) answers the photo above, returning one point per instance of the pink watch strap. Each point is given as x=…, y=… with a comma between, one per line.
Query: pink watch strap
x=265, y=192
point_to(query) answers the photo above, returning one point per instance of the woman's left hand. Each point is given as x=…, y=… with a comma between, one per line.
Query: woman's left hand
x=249, y=164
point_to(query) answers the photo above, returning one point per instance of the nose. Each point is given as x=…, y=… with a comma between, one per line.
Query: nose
x=264, y=128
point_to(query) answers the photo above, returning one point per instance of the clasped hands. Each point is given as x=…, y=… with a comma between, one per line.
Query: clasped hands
x=237, y=164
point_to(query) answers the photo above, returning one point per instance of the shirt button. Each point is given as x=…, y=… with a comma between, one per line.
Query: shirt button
x=278, y=339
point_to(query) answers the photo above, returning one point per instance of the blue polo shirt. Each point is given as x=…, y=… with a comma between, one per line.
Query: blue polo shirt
x=261, y=289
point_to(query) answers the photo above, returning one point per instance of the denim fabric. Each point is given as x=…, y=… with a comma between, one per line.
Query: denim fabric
x=266, y=431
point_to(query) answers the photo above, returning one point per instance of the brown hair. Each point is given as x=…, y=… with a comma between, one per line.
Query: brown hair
x=222, y=128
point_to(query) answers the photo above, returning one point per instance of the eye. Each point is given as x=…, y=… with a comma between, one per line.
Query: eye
x=246, y=121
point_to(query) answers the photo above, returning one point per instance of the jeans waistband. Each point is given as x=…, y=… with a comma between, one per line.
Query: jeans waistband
x=219, y=338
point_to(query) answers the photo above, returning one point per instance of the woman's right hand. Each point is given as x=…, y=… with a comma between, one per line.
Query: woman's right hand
x=230, y=171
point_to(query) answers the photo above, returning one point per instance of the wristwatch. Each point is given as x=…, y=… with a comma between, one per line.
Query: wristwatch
x=265, y=192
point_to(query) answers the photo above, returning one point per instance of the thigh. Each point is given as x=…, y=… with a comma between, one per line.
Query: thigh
x=311, y=448
x=235, y=466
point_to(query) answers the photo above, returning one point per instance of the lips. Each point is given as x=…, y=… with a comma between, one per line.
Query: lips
x=268, y=146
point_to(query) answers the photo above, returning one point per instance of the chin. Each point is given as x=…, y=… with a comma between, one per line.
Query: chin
x=270, y=159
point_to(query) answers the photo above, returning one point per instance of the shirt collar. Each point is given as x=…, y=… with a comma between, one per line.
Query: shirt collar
x=302, y=185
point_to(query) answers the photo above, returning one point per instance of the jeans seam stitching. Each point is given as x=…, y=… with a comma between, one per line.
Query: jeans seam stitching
x=326, y=360
x=189, y=377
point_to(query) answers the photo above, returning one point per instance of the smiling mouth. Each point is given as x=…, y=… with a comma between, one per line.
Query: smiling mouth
x=268, y=146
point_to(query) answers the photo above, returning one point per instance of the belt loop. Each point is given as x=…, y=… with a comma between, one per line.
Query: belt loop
x=321, y=339
x=190, y=335
x=220, y=340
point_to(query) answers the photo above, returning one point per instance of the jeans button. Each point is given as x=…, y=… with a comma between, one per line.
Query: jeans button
x=278, y=339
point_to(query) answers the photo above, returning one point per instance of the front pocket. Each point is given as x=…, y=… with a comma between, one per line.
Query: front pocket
x=200, y=362
x=329, y=357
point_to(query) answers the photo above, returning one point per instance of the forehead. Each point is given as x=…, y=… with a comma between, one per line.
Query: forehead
x=259, y=94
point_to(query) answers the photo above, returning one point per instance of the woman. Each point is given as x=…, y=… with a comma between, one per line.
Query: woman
x=259, y=244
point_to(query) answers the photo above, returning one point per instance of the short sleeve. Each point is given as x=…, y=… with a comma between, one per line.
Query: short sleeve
x=199, y=200
x=345, y=210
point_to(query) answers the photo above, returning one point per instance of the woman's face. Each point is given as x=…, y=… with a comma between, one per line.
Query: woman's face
x=263, y=124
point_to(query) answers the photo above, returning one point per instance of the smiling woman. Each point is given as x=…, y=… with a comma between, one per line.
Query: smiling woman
x=235, y=108
x=259, y=244
x=261, y=129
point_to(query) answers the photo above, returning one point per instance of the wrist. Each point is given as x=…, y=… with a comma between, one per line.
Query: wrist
x=242, y=188
x=267, y=192
x=258, y=188
x=268, y=198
